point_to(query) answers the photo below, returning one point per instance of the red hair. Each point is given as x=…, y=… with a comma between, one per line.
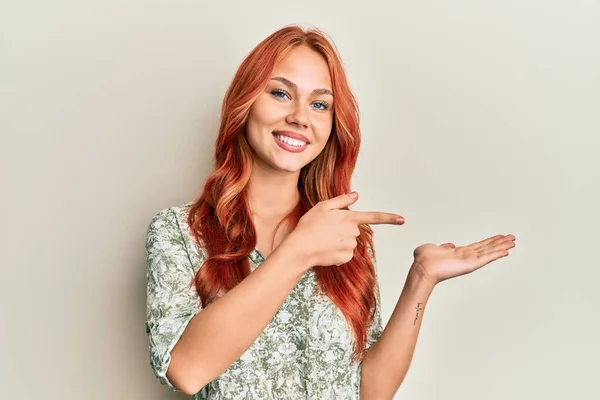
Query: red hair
x=220, y=218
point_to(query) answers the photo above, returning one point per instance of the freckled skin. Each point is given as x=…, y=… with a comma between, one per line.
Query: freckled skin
x=297, y=109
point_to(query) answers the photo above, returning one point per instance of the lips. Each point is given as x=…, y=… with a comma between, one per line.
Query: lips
x=293, y=135
x=289, y=147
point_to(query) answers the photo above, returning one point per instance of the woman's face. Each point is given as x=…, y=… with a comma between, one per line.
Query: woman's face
x=290, y=122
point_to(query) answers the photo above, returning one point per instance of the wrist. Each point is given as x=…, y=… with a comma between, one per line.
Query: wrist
x=297, y=253
x=419, y=277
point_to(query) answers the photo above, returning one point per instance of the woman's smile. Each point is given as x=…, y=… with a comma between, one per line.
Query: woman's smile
x=290, y=141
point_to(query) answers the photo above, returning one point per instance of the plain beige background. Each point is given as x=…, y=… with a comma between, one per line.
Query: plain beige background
x=478, y=118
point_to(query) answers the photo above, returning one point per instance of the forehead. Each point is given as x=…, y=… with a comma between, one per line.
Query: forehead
x=305, y=67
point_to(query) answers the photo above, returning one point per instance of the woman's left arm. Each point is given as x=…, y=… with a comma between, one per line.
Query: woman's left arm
x=386, y=363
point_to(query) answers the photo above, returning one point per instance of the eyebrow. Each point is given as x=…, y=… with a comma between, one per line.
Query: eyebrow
x=292, y=85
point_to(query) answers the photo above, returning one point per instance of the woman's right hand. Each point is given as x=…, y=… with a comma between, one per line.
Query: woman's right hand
x=326, y=234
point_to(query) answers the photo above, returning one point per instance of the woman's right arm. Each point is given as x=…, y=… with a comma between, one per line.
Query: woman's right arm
x=219, y=334
x=225, y=329
x=189, y=349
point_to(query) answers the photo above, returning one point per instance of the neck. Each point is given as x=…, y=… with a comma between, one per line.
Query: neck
x=272, y=194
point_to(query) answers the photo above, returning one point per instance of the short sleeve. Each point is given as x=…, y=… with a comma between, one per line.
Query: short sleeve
x=171, y=298
x=375, y=330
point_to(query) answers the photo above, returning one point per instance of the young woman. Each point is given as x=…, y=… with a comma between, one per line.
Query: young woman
x=265, y=286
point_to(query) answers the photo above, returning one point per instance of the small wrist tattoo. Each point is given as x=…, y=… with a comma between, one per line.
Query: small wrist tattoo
x=418, y=308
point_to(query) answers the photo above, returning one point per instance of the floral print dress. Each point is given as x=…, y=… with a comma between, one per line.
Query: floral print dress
x=303, y=353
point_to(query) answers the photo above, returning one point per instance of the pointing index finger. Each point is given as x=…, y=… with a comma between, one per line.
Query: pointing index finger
x=377, y=218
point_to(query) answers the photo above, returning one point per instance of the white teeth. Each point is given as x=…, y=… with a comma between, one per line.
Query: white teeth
x=290, y=141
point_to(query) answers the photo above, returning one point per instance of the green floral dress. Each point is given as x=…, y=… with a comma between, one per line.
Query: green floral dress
x=303, y=353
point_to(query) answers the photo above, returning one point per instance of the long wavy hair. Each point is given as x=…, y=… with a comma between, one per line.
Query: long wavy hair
x=220, y=218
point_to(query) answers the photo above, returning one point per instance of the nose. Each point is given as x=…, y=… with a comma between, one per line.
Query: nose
x=298, y=116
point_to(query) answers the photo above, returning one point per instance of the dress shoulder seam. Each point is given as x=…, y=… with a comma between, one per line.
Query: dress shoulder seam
x=185, y=246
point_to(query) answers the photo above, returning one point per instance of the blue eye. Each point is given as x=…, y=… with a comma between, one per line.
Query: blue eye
x=279, y=94
x=282, y=94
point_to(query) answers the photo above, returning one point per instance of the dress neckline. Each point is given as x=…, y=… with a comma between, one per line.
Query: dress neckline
x=256, y=256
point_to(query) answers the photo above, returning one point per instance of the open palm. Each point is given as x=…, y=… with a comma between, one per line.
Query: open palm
x=446, y=261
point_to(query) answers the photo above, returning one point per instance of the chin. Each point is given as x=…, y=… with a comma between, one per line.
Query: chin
x=289, y=168
x=289, y=163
